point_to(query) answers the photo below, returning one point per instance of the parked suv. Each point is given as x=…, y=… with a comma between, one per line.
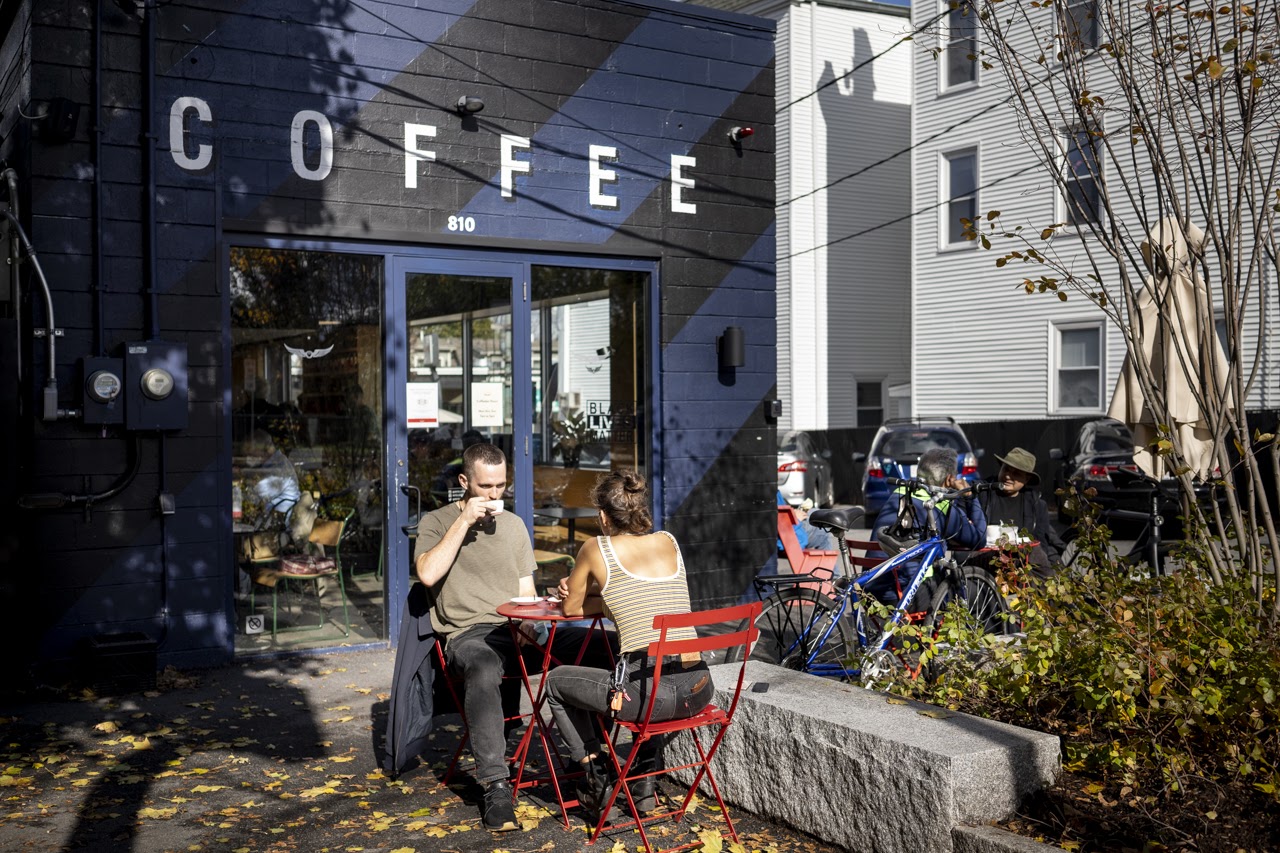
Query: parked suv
x=897, y=448
x=804, y=469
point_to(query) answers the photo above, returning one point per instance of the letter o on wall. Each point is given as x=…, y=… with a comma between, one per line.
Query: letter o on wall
x=297, y=149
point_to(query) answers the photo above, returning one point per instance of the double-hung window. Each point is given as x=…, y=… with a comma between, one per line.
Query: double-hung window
x=1078, y=367
x=960, y=191
x=960, y=50
x=1079, y=25
x=1082, y=173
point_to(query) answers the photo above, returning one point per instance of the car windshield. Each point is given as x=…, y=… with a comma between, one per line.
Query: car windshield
x=905, y=444
x=787, y=443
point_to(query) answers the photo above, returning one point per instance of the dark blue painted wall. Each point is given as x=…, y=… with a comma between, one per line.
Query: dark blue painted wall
x=653, y=79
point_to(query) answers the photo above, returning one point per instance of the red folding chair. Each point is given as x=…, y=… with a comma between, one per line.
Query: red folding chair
x=710, y=717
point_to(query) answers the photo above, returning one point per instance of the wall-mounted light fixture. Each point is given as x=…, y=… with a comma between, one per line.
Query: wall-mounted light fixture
x=468, y=105
x=740, y=133
x=731, y=348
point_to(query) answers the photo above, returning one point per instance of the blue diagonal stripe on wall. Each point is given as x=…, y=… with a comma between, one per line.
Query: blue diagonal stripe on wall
x=644, y=84
x=698, y=449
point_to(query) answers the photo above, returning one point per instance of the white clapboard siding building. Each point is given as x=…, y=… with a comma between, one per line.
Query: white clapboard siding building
x=984, y=349
x=844, y=300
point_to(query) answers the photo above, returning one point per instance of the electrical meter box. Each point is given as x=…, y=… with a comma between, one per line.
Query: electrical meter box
x=155, y=385
x=103, y=390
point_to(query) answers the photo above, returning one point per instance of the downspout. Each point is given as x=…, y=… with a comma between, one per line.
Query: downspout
x=15, y=281
x=152, y=277
x=99, y=332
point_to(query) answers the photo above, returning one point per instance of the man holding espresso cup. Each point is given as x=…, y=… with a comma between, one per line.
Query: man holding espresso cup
x=1013, y=500
x=473, y=557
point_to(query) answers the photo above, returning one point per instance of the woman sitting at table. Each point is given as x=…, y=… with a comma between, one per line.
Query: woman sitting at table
x=639, y=574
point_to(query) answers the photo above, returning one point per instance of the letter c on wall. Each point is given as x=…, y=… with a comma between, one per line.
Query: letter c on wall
x=297, y=149
x=177, y=134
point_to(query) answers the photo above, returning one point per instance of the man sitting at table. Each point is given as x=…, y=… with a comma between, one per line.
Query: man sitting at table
x=1014, y=501
x=473, y=557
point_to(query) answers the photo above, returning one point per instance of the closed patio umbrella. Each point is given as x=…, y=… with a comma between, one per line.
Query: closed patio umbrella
x=1180, y=345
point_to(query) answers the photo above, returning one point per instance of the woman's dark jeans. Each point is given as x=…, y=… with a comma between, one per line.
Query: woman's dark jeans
x=576, y=693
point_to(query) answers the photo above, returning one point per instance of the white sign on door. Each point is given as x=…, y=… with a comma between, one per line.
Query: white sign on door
x=422, y=405
x=486, y=404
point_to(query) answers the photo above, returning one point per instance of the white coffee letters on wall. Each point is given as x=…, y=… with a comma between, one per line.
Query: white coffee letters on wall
x=413, y=155
x=297, y=149
x=598, y=175
x=177, y=132
x=598, y=178
x=509, y=164
x=679, y=183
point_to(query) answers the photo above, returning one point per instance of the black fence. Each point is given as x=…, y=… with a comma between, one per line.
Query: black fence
x=994, y=438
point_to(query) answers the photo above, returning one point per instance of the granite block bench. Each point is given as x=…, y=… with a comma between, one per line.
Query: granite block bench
x=866, y=770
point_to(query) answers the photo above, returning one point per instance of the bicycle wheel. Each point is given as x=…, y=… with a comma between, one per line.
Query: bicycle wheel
x=983, y=602
x=791, y=624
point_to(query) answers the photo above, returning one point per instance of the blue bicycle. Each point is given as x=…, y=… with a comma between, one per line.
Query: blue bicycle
x=836, y=627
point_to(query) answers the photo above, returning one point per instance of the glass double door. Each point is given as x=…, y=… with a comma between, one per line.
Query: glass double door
x=546, y=361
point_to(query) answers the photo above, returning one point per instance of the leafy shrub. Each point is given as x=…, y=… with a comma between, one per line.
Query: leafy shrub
x=1146, y=679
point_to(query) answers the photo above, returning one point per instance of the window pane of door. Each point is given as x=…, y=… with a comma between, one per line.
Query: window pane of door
x=590, y=376
x=459, y=329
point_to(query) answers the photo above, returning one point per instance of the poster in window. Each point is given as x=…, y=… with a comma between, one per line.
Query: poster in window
x=422, y=405
x=486, y=404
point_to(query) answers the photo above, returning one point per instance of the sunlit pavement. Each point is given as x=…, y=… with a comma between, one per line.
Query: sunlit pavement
x=277, y=755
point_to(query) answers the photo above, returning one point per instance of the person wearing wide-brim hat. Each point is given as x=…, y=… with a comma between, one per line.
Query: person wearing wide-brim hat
x=1014, y=500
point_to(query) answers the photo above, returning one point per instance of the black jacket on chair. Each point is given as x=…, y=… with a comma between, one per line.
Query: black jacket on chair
x=412, y=706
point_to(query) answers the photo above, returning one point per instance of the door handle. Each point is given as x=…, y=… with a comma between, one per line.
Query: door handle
x=411, y=491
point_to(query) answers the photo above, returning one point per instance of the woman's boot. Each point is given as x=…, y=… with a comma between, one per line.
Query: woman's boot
x=593, y=787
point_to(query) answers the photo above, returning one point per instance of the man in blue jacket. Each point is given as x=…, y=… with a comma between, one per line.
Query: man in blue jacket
x=960, y=521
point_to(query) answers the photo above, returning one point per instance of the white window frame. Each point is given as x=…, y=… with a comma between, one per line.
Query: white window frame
x=1061, y=209
x=1055, y=365
x=944, y=42
x=944, y=196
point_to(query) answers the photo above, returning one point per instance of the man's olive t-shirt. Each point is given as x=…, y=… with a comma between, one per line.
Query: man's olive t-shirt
x=487, y=571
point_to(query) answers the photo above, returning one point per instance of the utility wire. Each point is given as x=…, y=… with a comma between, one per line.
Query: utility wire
x=914, y=213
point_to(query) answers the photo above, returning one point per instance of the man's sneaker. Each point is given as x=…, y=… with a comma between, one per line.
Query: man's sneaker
x=498, y=813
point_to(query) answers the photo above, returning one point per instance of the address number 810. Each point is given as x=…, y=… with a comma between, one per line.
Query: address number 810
x=462, y=223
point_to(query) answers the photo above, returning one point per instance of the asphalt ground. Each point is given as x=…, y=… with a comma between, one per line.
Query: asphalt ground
x=275, y=755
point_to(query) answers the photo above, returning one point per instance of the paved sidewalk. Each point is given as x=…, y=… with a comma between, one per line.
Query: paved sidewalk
x=266, y=756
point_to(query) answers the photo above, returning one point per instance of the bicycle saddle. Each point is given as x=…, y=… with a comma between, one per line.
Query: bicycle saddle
x=837, y=519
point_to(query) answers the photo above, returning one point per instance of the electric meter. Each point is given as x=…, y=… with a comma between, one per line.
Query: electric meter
x=157, y=383
x=104, y=386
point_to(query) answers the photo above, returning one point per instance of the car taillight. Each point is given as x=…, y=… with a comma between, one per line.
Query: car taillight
x=1099, y=472
x=968, y=465
x=875, y=469
x=788, y=467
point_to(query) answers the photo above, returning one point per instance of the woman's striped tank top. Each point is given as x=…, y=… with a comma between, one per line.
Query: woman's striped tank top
x=632, y=601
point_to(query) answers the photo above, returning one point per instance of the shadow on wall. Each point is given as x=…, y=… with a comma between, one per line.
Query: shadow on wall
x=868, y=276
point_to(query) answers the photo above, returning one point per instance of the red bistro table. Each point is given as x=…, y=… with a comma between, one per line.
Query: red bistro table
x=549, y=611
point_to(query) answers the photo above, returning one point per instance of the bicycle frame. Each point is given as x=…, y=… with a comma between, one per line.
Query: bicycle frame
x=846, y=589
x=850, y=589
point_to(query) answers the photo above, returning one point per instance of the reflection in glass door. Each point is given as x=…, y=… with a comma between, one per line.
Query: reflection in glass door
x=458, y=329
x=590, y=364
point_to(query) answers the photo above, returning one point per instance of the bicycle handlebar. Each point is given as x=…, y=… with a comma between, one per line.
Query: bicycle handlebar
x=937, y=492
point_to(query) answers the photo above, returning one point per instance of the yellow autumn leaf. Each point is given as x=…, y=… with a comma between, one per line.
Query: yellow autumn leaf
x=412, y=850
x=107, y=727
x=437, y=832
x=157, y=814
x=415, y=825
x=711, y=841
x=206, y=789
x=343, y=759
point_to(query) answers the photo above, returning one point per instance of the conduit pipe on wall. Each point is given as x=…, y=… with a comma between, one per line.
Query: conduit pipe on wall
x=49, y=408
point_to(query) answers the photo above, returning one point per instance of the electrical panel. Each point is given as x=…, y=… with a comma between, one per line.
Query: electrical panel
x=155, y=385
x=103, y=390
